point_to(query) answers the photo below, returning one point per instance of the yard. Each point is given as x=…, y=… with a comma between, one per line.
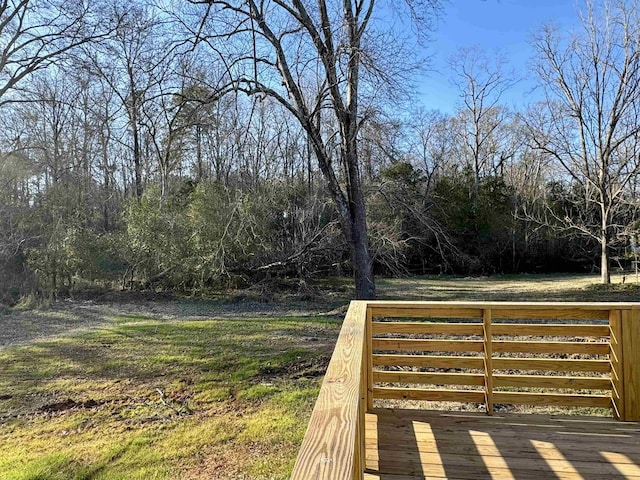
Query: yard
x=188, y=389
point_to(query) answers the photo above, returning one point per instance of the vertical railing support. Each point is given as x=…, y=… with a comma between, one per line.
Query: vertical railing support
x=630, y=336
x=488, y=361
x=369, y=359
x=615, y=357
x=360, y=452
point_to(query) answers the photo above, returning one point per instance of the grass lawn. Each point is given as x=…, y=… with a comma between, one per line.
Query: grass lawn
x=143, y=399
x=513, y=288
x=145, y=394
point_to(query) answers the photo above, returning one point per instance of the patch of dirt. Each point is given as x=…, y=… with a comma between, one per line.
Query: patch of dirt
x=67, y=404
x=338, y=312
x=296, y=369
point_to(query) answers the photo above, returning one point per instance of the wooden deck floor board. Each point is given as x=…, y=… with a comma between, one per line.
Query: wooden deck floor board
x=410, y=445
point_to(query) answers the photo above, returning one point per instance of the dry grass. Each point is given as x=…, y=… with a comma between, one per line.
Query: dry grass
x=511, y=288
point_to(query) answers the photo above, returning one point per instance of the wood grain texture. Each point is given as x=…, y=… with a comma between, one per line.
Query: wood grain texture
x=427, y=361
x=429, y=378
x=423, y=420
x=336, y=445
x=568, y=313
x=488, y=361
x=588, y=348
x=631, y=363
x=425, y=312
x=495, y=306
x=427, y=328
x=433, y=395
x=547, y=381
x=551, y=365
x=369, y=352
x=615, y=357
x=563, y=400
x=330, y=448
x=413, y=444
x=409, y=344
x=560, y=468
x=359, y=464
x=558, y=330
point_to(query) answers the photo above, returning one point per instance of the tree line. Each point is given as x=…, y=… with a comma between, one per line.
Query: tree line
x=215, y=144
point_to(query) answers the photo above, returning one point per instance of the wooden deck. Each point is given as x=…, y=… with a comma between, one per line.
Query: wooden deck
x=576, y=355
x=416, y=444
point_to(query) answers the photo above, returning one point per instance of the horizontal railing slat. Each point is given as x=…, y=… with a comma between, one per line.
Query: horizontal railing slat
x=551, y=365
x=539, y=306
x=548, y=381
x=404, y=344
x=427, y=328
x=431, y=395
x=417, y=312
x=551, y=313
x=427, y=361
x=441, y=361
x=429, y=378
x=553, y=399
x=589, y=348
x=541, y=329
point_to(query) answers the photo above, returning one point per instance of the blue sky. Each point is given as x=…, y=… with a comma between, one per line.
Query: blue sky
x=503, y=25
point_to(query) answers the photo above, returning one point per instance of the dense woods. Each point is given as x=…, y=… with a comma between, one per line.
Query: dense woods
x=217, y=144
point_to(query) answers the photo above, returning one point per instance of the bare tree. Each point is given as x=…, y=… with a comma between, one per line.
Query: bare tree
x=310, y=58
x=481, y=83
x=36, y=33
x=430, y=144
x=590, y=121
x=131, y=61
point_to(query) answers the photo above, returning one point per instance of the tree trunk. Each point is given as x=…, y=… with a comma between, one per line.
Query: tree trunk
x=199, y=153
x=135, y=133
x=137, y=163
x=359, y=238
x=362, y=261
x=361, y=256
x=604, y=258
x=351, y=209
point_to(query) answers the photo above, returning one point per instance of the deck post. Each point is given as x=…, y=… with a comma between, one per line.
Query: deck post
x=368, y=331
x=615, y=357
x=488, y=361
x=630, y=336
x=333, y=447
x=360, y=449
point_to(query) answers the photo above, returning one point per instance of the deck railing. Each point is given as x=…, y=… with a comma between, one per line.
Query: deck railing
x=587, y=354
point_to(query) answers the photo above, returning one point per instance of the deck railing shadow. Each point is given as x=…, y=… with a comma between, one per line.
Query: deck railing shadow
x=585, y=356
x=399, y=451
x=472, y=446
